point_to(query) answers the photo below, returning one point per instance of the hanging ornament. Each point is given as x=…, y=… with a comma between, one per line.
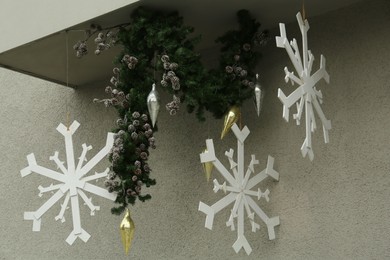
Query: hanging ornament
x=73, y=180
x=257, y=95
x=207, y=167
x=231, y=118
x=127, y=229
x=240, y=190
x=306, y=97
x=153, y=102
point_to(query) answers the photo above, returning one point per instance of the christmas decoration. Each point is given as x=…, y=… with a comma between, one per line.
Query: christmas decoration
x=73, y=182
x=165, y=47
x=239, y=190
x=161, y=50
x=231, y=118
x=157, y=44
x=127, y=229
x=257, y=96
x=134, y=137
x=306, y=95
x=207, y=168
x=153, y=101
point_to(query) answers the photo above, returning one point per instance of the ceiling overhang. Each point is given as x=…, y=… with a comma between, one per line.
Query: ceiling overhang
x=52, y=57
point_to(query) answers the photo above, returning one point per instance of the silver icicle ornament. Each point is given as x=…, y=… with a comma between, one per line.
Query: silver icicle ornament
x=257, y=95
x=153, y=102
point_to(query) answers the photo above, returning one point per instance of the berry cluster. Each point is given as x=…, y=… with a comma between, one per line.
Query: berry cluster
x=173, y=106
x=130, y=61
x=105, y=41
x=139, y=132
x=261, y=38
x=141, y=129
x=236, y=71
x=169, y=75
x=118, y=98
x=81, y=48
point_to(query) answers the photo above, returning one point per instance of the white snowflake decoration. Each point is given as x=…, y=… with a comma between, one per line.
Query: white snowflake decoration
x=73, y=183
x=306, y=94
x=240, y=190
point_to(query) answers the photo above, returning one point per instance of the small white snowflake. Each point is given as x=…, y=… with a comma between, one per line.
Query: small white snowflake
x=240, y=190
x=306, y=94
x=73, y=183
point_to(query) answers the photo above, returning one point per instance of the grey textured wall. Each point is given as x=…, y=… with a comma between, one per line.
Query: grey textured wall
x=335, y=207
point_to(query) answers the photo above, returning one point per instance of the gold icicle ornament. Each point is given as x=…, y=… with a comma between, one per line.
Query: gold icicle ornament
x=127, y=229
x=231, y=118
x=207, y=168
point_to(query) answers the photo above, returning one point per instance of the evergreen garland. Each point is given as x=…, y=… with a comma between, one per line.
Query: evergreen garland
x=157, y=49
x=234, y=79
x=155, y=42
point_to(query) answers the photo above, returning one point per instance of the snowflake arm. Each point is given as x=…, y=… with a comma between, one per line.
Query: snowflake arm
x=306, y=94
x=47, y=189
x=99, y=156
x=326, y=123
x=304, y=27
x=239, y=191
x=268, y=171
x=67, y=133
x=36, y=215
x=282, y=42
x=298, y=115
x=88, y=202
x=60, y=164
x=210, y=211
x=73, y=183
x=33, y=167
x=82, y=158
x=64, y=206
x=210, y=157
x=99, y=191
x=96, y=176
x=270, y=222
x=241, y=241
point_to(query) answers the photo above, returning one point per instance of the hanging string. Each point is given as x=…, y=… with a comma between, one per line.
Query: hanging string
x=240, y=120
x=208, y=115
x=155, y=66
x=303, y=10
x=208, y=125
x=67, y=79
x=239, y=116
x=68, y=120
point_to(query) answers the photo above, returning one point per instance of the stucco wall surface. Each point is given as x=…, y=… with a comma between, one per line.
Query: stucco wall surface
x=336, y=207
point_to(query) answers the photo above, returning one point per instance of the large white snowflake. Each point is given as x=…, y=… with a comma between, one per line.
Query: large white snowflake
x=73, y=183
x=306, y=94
x=240, y=190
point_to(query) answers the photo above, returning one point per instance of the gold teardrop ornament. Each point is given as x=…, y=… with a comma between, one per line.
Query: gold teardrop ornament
x=207, y=168
x=127, y=229
x=230, y=118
